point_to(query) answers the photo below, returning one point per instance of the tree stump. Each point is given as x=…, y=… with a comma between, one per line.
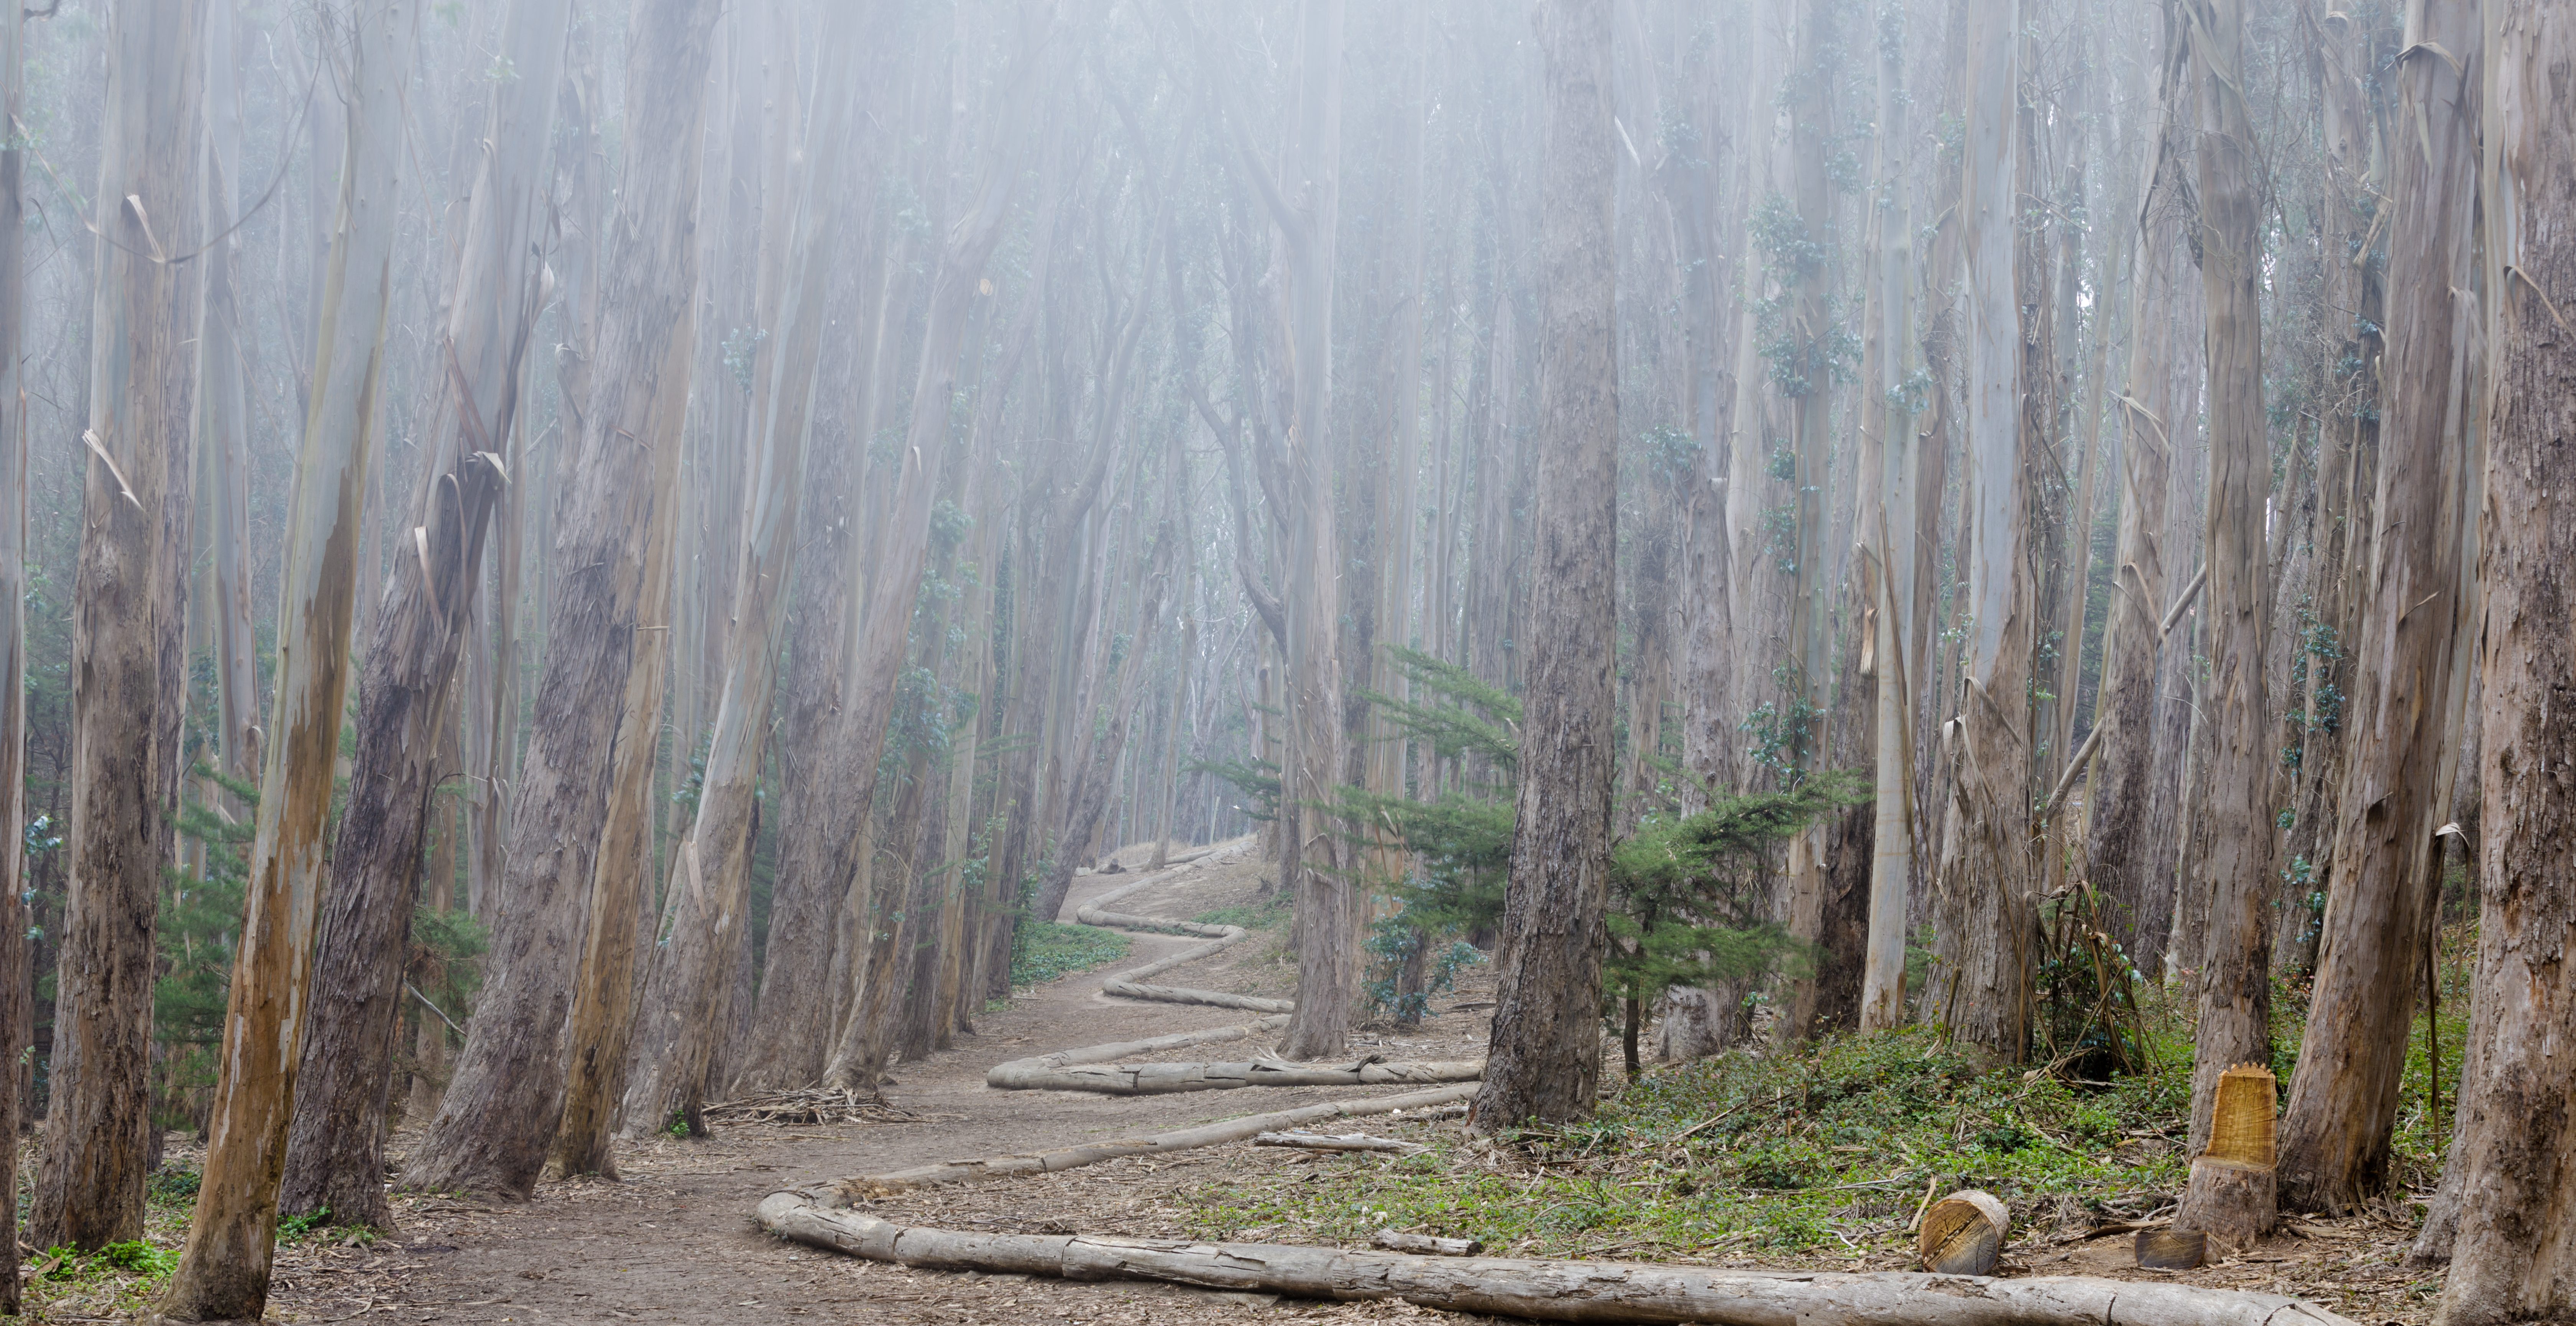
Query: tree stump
x=2171, y=1249
x=2233, y=1196
x=1963, y=1233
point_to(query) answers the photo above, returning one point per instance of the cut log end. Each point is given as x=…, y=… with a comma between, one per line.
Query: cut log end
x=1963, y=1233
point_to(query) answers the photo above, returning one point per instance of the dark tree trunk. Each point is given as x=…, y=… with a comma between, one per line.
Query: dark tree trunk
x=2343, y=1100
x=2514, y=1259
x=499, y=1118
x=129, y=648
x=1545, y=1061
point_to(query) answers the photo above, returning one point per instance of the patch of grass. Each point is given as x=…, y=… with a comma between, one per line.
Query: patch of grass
x=1045, y=950
x=118, y=1279
x=1267, y=914
x=1828, y=1152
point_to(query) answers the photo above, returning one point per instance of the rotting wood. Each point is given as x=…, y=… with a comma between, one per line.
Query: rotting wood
x=1540, y=1289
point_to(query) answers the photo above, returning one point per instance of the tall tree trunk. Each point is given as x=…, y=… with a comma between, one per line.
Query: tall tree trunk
x=502, y=1109
x=335, y=1151
x=1806, y=267
x=129, y=663
x=2514, y=1256
x=224, y=1273
x=2130, y=866
x=2228, y=858
x=1545, y=1061
x=1310, y=852
x=1887, y=529
x=1981, y=988
x=2343, y=1099
x=693, y=971
x=223, y=432
x=16, y=1044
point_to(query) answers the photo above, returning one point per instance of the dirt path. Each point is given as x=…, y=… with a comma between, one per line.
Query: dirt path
x=675, y=1242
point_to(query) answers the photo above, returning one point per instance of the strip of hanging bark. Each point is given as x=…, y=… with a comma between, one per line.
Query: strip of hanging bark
x=1047, y=1162
x=1544, y=1290
x=1343, y=1142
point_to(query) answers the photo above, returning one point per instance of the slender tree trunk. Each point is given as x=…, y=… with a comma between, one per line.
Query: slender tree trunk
x=2343, y=1099
x=1310, y=853
x=506, y=1100
x=2514, y=1256
x=129, y=663
x=335, y=1151
x=1887, y=529
x=2128, y=864
x=693, y=971
x=224, y=1273
x=1545, y=1061
x=223, y=432
x=1981, y=987
x=17, y=1044
x=2229, y=846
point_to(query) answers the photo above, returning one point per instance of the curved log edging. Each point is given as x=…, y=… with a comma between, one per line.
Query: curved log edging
x=1092, y=1068
x=1541, y=1289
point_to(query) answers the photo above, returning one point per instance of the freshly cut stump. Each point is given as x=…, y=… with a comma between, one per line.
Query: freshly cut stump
x=2172, y=1249
x=1963, y=1233
x=2233, y=1195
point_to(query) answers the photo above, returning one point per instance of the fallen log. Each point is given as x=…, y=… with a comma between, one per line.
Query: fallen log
x=1167, y=1079
x=1341, y=1142
x=1230, y=1130
x=1007, y=1076
x=1538, y=1289
x=1431, y=1245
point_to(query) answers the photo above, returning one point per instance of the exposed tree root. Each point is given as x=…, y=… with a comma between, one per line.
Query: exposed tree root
x=1543, y=1290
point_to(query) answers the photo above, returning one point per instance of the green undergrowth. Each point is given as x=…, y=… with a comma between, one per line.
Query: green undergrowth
x=1041, y=951
x=1268, y=913
x=1828, y=1152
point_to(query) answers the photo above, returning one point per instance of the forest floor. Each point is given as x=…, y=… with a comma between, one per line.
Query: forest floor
x=1816, y=1161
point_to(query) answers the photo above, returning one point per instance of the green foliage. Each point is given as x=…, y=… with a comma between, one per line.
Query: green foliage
x=297, y=1226
x=1459, y=713
x=1041, y=951
x=1266, y=914
x=1827, y=1151
x=1256, y=779
x=1405, y=971
x=2089, y=1021
x=1685, y=892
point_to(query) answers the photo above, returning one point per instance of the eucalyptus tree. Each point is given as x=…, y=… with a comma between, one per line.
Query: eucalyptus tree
x=1545, y=1060
x=2510, y=1257
x=129, y=606
x=2343, y=1100
x=224, y=1273
x=500, y=1113
x=335, y=1155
